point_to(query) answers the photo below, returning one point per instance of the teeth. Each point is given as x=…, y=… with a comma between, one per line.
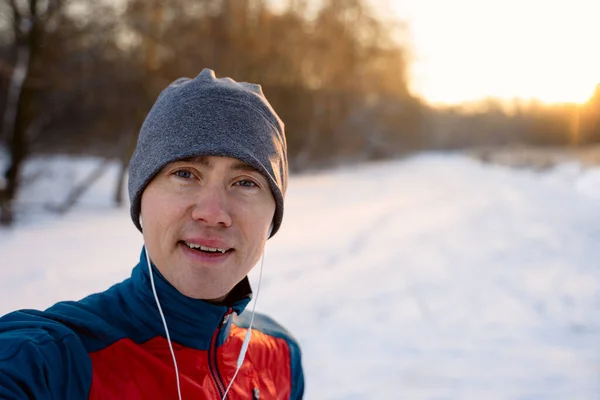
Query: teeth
x=204, y=248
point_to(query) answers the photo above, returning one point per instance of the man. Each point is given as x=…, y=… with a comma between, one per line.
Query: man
x=206, y=183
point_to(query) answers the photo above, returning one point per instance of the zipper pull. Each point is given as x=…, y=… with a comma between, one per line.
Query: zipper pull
x=255, y=394
x=226, y=317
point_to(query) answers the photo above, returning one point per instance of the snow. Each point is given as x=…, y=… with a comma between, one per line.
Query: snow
x=435, y=277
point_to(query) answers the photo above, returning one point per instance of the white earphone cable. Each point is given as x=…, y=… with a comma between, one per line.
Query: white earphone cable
x=246, y=342
x=164, y=321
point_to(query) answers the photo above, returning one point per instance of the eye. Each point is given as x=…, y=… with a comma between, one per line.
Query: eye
x=247, y=183
x=183, y=173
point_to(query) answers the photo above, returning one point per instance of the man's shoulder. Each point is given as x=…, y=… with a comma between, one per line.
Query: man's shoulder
x=91, y=320
x=32, y=326
x=99, y=319
x=264, y=324
x=268, y=326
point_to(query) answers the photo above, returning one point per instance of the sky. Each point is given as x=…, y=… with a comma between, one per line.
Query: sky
x=466, y=50
x=433, y=277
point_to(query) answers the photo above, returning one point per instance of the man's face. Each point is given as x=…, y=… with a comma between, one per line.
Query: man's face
x=206, y=222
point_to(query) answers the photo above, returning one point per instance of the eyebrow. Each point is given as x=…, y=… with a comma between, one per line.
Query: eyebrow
x=205, y=162
x=241, y=166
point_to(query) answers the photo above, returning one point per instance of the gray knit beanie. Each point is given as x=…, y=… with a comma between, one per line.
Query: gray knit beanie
x=209, y=116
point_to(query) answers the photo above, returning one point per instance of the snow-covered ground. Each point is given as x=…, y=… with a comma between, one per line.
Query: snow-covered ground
x=436, y=277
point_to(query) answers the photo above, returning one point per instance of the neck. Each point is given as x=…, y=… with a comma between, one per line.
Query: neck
x=192, y=322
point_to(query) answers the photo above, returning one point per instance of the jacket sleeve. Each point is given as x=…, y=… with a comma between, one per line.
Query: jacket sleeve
x=41, y=359
x=297, y=371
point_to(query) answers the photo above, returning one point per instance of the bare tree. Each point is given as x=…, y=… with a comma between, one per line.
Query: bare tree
x=331, y=69
x=21, y=121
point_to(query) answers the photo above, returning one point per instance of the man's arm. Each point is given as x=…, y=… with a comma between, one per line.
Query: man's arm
x=41, y=359
x=297, y=371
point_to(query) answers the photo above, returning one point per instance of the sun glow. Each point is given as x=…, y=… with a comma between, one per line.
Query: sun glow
x=467, y=50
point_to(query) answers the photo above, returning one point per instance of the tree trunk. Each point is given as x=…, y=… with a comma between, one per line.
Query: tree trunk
x=15, y=123
x=80, y=189
x=129, y=148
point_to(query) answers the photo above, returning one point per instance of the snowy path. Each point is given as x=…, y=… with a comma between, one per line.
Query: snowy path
x=432, y=278
x=442, y=279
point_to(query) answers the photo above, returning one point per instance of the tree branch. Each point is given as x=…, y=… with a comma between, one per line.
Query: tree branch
x=16, y=18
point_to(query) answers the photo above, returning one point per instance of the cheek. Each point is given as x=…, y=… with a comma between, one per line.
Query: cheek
x=159, y=211
x=258, y=212
x=255, y=220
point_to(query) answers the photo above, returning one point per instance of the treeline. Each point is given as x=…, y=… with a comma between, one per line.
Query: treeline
x=335, y=74
x=493, y=123
x=80, y=75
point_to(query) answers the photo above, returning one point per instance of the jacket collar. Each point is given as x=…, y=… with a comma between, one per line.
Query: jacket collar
x=191, y=322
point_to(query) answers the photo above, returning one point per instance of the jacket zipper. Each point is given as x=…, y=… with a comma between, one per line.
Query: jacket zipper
x=212, y=357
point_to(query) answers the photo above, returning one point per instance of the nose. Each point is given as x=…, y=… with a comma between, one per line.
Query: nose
x=211, y=208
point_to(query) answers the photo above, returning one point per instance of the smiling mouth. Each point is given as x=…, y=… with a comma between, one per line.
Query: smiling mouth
x=205, y=249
